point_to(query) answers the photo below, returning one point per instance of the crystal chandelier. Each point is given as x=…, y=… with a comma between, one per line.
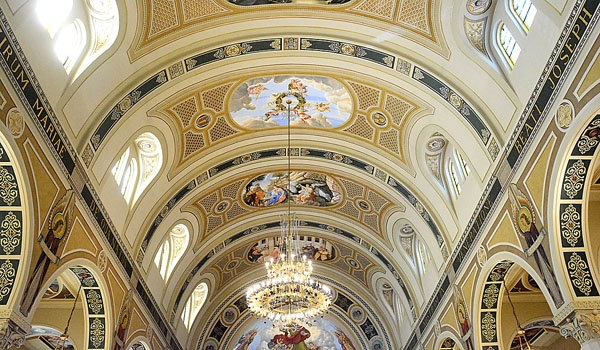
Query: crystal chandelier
x=289, y=295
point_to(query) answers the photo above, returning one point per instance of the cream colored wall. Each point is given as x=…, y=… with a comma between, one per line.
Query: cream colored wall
x=55, y=313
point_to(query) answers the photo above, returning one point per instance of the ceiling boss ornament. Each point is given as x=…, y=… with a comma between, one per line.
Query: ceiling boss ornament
x=289, y=295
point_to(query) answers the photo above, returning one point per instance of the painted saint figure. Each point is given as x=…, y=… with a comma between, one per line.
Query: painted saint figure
x=121, y=332
x=49, y=245
x=463, y=318
x=344, y=341
x=246, y=340
x=525, y=224
x=293, y=339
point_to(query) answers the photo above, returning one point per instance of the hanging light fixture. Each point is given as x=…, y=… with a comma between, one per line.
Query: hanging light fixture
x=63, y=339
x=289, y=295
x=523, y=342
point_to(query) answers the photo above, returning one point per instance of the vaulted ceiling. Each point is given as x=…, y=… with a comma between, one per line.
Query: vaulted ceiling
x=400, y=83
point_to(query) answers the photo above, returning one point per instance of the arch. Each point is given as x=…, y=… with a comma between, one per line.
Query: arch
x=15, y=221
x=448, y=341
x=95, y=297
x=392, y=299
x=139, y=343
x=194, y=304
x=97, y=306
x=570, y=202
x=489, y=292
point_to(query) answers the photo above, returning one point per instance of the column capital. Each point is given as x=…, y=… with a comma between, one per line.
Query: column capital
x=13, y=331
x=583, y=325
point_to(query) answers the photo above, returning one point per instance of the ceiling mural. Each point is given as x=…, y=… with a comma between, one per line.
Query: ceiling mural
x=315, y=101
x=305, y=188
x=201, y=117
x=322, y=334
x=223, y=206
x=242, y=260
x=314, y=248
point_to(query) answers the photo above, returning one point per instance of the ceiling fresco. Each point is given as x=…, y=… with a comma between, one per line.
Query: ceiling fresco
x=321, y=335
x=301, y=187
x=332, y=254
x=314, y=248
x=201, y=116
x=242, y=197
x=314, y=101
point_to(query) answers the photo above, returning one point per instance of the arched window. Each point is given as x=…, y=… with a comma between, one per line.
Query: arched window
x=508, y=45
x=137, y=166
x=415, y=248
x=80, y=30
x=171, y=250
x=447, y=165
x=69, y=43
x=465, y=168
x=393, y=300
x=193, y=305
x=53, y=13
x=422, y=256
x=454, y=179
x=524, y=11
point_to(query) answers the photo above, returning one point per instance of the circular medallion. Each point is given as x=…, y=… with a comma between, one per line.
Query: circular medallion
x=455, y=100
x=436, y=144
x=229, y=315
x=407, y=230
x=377, y=345
x=164, y=211
x=477, y=7
x=379, y=119
x=363, y=205
x=232, y=264
x=246, y=158
x=210, y=345
x=147, y=146
x=353, y=263
x=347, y=49
x=357, y=314
x=564, y=115
x=232, y=50
x=337, y=157
x=125, y=104
x=221, y=207
x=202, y=121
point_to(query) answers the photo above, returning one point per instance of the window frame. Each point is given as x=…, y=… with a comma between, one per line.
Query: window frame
x=512, y=56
